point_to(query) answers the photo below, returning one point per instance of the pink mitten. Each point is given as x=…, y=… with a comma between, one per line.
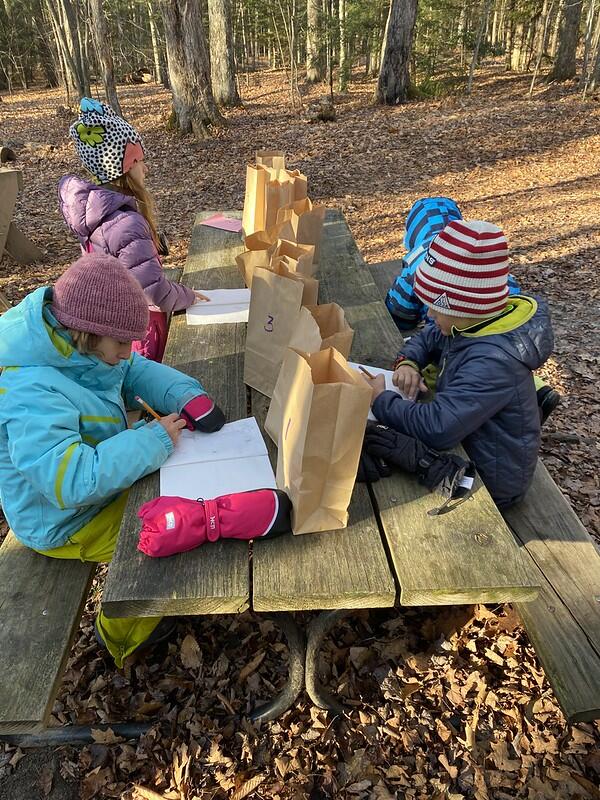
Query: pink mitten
x=174, y=524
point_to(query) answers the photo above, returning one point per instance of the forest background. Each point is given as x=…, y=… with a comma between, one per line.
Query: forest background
x=492, y=102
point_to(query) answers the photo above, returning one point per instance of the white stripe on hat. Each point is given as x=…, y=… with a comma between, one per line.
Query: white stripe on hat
x=465, y=270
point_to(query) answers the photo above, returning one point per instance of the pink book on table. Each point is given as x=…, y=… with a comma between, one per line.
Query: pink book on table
x=224, y=223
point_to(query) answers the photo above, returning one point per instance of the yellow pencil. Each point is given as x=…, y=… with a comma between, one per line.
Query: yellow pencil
x=148, y=408
x=366, y=371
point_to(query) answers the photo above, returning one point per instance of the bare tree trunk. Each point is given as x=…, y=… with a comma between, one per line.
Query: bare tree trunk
x=592, y=74
x=189, y=72
x=160, y=71
x=47, y=56
x=394, y=78
x=589, y=35
x=542, y=42
x=564, y=64
x=344, y=65
x=72, y=27
x=102, y=41
x=461, y=33
x=482, y=27
x=222, y=65
x=555, y=31
x=314, y=42
x=72, y=75
x=595, y=78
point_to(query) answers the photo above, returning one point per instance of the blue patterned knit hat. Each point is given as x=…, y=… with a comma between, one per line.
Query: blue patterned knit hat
x=107, y=145
x=428, y=217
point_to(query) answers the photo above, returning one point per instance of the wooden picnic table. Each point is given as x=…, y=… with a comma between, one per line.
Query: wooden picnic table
x=392, y=550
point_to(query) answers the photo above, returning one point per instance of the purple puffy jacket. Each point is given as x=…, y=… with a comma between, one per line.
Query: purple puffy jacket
x=107, y=221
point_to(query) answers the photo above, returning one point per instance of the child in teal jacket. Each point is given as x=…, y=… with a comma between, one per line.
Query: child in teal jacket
x=68, y=377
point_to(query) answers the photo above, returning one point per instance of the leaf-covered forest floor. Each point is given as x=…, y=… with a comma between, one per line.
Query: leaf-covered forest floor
x=445, y=704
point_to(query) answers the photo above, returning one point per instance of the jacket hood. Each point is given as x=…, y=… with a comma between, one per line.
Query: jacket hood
x=85, y=206
x=31, y=337
x=427, y=217
x=524, y=331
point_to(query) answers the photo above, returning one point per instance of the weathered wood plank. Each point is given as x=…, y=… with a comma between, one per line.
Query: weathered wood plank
x=215, y=578
x=384, y=274
x=20, y=248
x=571, y=664
x=173, y=274
x=9, y=187
x=337, y=569
x=346, y=568
x=568, y=610
x=438, y=560
x=41, y=601
x=467, y=555
x=345, y=279
x=562, y=548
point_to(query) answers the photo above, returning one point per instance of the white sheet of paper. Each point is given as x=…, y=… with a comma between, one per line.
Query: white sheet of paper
x=226, y=305
x=387, y=373
x=208, y=465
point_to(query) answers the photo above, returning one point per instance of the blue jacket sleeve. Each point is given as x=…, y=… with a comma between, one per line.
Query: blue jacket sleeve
x=46, y=447
x=166, y=389
x=483, y=387
x=424, y=347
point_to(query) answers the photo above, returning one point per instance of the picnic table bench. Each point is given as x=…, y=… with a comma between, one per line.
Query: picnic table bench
x=392, y=551
x=12, y=239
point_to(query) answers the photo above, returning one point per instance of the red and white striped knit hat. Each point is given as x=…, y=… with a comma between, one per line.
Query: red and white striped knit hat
x=465, y=270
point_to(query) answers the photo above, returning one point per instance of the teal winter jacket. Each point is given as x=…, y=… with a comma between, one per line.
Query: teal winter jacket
x=65, y=449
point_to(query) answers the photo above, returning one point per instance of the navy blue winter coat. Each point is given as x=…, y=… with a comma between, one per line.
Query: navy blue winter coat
x=485, y=396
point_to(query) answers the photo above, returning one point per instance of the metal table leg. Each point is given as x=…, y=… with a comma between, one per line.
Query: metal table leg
x=317, y=631
x=297, y=647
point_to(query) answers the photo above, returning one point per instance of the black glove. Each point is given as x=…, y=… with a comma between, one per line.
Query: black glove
x=443, y=473
x=393, y=447
x=436, y=471
x=371, y=468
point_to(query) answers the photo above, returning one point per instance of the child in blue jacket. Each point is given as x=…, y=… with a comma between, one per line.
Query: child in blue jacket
x=485, y=345
x=67, y=457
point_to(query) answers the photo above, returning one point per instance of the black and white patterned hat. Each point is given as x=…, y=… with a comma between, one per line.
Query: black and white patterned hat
x=107, y=145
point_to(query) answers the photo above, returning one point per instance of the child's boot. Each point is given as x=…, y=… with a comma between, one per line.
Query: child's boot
x=547, y=398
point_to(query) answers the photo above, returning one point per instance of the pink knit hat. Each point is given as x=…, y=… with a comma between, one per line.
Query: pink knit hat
x=98, y=295
x=465, y=270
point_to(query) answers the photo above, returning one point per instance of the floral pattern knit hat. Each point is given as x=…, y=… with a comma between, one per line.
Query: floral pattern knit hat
x=107, y=145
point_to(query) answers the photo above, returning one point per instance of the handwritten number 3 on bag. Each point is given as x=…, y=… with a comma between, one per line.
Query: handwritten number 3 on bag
x=269, y=325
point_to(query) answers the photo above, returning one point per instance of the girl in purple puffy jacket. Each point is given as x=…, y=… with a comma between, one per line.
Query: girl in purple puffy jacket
x=115, y=214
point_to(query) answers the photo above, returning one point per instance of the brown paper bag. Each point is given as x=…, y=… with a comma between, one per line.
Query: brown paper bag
x=321, y=437
x=268, y=190
x=297, y=257
x=275, y=302
x=260, y=247
x=278, y=193
x=275, y=159
x=306, y=220
x=317, y=328
x=254, y=214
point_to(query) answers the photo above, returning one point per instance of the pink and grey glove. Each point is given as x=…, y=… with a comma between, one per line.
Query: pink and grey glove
x=174, y=524
x=202, y=414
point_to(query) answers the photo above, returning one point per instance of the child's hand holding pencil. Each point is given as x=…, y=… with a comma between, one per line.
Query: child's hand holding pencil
x=376, y=382
x=172, y=423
